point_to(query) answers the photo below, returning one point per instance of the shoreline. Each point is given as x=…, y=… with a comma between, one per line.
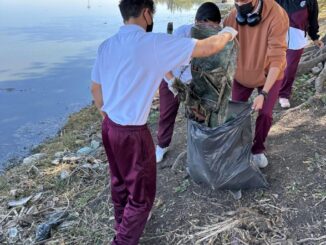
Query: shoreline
x=17, y=160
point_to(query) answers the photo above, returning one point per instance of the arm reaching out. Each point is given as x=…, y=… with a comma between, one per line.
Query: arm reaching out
x=214, y=44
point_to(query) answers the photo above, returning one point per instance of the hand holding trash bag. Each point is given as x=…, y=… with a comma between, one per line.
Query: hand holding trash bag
x=258, y=103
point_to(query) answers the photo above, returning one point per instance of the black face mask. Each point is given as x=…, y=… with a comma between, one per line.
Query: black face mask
x=245, y=9
x=149, y=28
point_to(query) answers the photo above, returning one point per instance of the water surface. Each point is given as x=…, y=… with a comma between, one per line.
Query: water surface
x=47, y=51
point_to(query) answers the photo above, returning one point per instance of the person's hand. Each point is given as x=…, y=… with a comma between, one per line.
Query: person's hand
x=103, y=114
x=170, y=85
x=230, y=30
x=319, y=43
x=258, y=102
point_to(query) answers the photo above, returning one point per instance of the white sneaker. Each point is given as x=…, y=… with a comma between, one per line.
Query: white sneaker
x=160, y=152
x=285, y=103
x=260, y=160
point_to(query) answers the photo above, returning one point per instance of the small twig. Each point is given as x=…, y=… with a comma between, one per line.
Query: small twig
x=323, y=199
x=21, y=211
x=176, y=162
x=272, y=206
x=44, y=210
x=239, y=240
x=68, y=203
x=311, y=239
x=7, y=216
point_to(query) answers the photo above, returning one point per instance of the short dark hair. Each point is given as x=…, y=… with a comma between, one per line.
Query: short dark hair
x=208, y=11
x=133, y=8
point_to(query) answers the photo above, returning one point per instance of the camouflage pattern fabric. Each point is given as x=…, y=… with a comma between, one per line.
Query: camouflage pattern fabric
x=206, y=97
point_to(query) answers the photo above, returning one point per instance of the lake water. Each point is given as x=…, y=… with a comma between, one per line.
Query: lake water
x=47, y=48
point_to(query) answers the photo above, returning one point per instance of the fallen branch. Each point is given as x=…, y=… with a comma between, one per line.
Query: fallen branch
x=319, y=83
x=306, y=66
x=313, y=99
x=299, y=107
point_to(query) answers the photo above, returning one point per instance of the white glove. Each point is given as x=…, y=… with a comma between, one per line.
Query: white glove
x=230, y=30
x=170, y=85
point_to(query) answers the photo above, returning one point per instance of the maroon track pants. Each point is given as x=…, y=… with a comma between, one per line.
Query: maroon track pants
x=169, y=106
x=131, y=155
x=292, y=58
x=265, y=117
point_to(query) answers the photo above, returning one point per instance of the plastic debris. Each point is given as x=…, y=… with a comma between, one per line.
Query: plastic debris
x=95, y=144
x=43, y=231
x=12, y=232
x=64, y=174
x=34, y=158
x=85, y=151
x=20, y=202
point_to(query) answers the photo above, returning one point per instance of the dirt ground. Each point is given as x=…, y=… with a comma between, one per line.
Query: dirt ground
x=293, y=208
x=291, y=211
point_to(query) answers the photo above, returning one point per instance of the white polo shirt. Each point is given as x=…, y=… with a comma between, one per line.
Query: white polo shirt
x=296, y=38
x=130, y=65
x=183, y=72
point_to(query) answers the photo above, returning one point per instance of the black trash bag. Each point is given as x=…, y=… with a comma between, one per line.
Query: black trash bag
x=220, y=157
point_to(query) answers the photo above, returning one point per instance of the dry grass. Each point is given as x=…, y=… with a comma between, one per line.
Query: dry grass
x=83, y=194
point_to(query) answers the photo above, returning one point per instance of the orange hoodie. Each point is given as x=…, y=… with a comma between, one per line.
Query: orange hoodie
x=262, y=46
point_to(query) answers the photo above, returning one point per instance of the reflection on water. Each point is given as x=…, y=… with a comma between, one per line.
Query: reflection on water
x=180, y=5
x=47, y=50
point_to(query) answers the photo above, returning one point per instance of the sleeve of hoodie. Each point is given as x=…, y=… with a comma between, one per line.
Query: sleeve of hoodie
x=313, y=27
x=277, y=45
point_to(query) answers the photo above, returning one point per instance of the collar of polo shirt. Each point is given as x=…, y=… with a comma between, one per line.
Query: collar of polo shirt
x=131, y=27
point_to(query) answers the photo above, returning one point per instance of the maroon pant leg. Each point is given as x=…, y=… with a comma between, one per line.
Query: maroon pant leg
x=119, y=192
x=169, y=106
x=131, y=156
x=292, y=59
x=265, y=117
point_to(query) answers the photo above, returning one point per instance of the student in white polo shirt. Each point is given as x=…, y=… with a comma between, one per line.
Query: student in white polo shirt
x=207, y=13
x=126, y=74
